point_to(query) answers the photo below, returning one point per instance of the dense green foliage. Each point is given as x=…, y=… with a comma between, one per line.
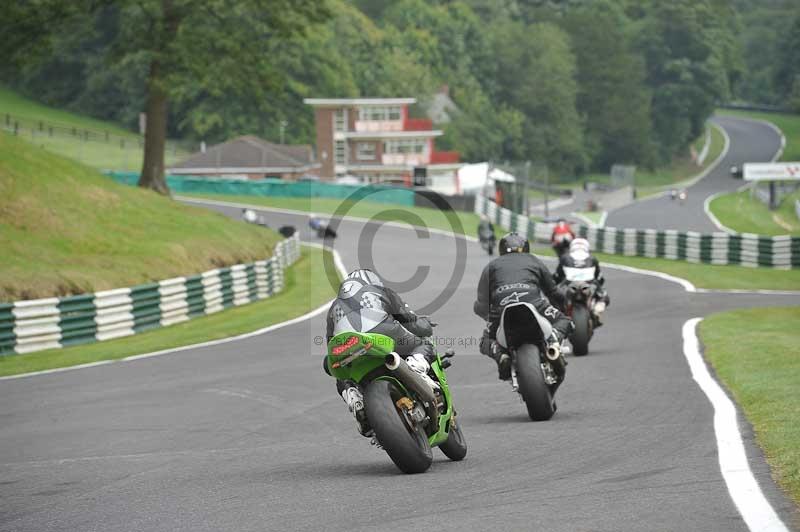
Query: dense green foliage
x=579, y=85
x=770, y=46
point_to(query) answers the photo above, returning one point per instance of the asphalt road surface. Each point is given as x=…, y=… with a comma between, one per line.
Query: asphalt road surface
x=250, y=435
x=750, y=141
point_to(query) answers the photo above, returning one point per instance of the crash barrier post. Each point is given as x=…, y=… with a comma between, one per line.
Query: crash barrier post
x=782, y=252
x=27, y=326
x=277, y=188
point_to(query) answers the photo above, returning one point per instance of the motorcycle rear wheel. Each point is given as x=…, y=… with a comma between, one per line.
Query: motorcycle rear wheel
x=406, y=444
x=583, y=330
x=532, y=386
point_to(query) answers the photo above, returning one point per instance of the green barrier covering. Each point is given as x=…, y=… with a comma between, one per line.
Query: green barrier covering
x=277, y=188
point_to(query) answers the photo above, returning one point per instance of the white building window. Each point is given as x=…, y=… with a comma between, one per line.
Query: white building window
x=340, y=120
x=405, y=146
x=365, y=151
x=379, y=113
x=340, y=152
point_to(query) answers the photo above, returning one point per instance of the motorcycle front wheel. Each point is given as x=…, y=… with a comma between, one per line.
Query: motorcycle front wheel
x=535, y=391
x=455, y=448
x=404, y=442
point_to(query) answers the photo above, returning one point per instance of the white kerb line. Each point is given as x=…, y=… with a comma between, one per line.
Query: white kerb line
x=753, y=506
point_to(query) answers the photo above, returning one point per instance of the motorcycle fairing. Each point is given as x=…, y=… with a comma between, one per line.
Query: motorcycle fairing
x=544, y=324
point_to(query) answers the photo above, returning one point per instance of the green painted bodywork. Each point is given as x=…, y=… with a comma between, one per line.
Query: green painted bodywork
x=371, y=350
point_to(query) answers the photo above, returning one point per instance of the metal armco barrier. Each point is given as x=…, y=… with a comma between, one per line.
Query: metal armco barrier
x=27, y=326
x=713, y=248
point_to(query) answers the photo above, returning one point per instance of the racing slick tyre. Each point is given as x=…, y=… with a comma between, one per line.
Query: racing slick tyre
x=404, y=442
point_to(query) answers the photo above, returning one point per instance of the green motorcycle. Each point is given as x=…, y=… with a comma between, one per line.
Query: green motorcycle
x=407, y=415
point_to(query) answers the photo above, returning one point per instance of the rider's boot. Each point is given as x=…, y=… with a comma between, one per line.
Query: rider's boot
x=354, y=400
x=493, y=350
x=419, y=363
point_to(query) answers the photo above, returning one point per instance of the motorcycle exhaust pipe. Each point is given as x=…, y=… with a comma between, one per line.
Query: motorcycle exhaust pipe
x=553, y=352
x=410, y=378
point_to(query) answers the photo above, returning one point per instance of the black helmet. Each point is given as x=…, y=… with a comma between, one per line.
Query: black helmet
x=513, y=243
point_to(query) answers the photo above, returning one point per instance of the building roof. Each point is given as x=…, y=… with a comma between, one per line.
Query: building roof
x=249, y=153
x=332, y=102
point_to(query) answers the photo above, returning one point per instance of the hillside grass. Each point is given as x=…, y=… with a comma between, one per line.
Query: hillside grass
x=788, y=123
x=306, y=288
x=122, y=151
x=745, y=214
x=66, y=229
x=754, y=353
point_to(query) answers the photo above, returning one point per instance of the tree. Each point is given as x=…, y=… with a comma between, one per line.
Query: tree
x=612, y=96
x=216, y=45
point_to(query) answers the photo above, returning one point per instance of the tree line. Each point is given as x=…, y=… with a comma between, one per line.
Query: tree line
x=576, y=84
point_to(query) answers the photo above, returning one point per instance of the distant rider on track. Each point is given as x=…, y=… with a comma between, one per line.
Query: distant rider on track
x=515, y=271
x=579, y=256
x=561, y=237
x=365, y=304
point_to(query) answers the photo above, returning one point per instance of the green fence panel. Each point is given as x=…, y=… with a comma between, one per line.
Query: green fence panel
x=278, y=188
x=76, y=319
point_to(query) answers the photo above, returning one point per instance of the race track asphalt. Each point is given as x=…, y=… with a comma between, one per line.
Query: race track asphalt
x=750, y=141
x=250, y=435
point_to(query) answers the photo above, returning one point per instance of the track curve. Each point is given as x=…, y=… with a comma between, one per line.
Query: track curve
x=750, y=141
x=250, y=435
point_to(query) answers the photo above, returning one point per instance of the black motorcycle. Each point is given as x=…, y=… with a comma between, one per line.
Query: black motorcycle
x=537, y=368
x=583, y=306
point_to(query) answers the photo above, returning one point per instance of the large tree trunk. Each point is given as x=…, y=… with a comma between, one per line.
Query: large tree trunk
x=155, y=134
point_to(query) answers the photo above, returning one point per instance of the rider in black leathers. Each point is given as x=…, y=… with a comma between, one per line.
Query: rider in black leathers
x=579, y=256
x=516, y=270
x=364, y=304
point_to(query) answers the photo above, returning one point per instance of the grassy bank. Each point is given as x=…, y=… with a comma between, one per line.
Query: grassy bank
x=62, y=132
x=306, y=289
x=754, y=353
x=66, y=229
x=789, y=124
x=745, y=214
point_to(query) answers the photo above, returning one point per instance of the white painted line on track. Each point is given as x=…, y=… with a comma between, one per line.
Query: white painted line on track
x=687, y=285
x=714, y=219
x=753, y=506
x=308, y=315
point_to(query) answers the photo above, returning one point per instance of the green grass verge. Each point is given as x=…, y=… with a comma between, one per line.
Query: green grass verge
x=789, y=124
x=754, y=353
x=709, y=276
x=306, y=288
x=122, y=150
x=712, y=275
x=66, y=229
x=594, y=216
x=745, y=214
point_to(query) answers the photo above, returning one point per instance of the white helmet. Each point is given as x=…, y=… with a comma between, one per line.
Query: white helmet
x=579, y=246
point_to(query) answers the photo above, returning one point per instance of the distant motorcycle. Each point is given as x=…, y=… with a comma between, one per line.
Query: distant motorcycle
x=537, y=368
x=487, y=240
x=582, y=306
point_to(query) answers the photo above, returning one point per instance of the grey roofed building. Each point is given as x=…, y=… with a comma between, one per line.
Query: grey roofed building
x=250, y=157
